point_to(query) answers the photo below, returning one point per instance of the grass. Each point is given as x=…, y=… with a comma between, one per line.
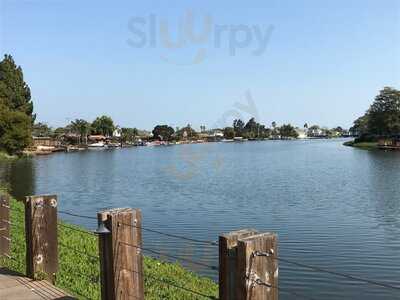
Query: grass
x=79, y=265
x=362, y=145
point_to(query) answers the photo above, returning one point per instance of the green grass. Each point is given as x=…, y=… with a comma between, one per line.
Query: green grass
x=79, y=265
x=362, y=145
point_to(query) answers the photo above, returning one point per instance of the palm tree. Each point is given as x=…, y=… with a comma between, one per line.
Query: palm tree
x=81, y=127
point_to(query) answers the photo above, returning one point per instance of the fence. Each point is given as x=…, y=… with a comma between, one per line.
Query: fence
x=248, y=260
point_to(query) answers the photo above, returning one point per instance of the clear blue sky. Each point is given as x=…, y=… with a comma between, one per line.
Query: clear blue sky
x=324, y=61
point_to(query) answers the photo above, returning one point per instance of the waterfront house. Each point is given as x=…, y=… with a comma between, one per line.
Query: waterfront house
x=45, y=142
x=97, y=138
x=392, y=143
x=302, y=134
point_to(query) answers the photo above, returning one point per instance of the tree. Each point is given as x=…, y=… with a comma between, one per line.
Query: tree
x=16, y=108
x=41, y=129
x=128, y=134
x=14, y=92
x=288, y=131
x=15, y=130
x=229, y=132
x=384, y=113
x=360, y=126
x=186, y=132
x=82, y=128
x=103, y=125
x=238, y=127
x=163, y=132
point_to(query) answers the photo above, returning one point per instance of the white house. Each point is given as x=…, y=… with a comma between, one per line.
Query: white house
x=117, y=132
x=302, y=134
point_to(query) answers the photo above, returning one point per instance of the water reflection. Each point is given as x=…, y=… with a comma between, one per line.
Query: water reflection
x=18, y=176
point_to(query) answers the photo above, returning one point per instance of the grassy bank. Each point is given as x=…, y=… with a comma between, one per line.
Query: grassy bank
x=79, y=266
x=362, y=145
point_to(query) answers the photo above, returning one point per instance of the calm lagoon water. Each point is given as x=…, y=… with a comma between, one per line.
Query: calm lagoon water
x=332, y=206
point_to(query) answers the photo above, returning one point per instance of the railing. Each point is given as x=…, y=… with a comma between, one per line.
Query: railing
x=248, y=260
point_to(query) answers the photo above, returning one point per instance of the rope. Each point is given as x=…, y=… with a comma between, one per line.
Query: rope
x=173, y=284
x=173, y=235
x=172, y=256
x=318, y=269
x=76, y=229
x=262, y=283
x=76, y=215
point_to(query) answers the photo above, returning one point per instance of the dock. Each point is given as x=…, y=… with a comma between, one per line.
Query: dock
x=15, y=286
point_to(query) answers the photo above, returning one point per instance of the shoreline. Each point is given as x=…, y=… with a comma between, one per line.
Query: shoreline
x=362, y=145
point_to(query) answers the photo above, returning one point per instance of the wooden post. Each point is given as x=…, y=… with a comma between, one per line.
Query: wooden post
x=41, y=237
x=228, y=262
x=261, y=267
x=121, y=261
x=4, y=224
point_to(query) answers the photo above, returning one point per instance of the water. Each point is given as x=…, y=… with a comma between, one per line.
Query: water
x=332, y=206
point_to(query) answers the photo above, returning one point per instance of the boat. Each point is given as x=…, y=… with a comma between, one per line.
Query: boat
x=97, y=145
x=227, y=140
x=239, y=139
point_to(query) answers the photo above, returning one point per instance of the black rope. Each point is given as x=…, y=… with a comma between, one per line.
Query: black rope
x=355, y=278
x=172, y=284
x=318, y=269
x=215, y=268
x=173, y=235
x=76, y=229
x=76, y=215
x=260, y=282
x=79, y=251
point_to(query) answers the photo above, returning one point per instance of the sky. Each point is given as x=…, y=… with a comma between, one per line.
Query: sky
x=203, y=62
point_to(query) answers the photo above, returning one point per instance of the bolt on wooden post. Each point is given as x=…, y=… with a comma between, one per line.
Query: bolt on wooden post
x=41, y=237
x=121, y=261
x=4, y=225
x=257, y=274
x=228, y=262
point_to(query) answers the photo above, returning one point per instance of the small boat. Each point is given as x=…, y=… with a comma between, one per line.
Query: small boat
x=97, y=145
x=227, y=140
x=239, y=139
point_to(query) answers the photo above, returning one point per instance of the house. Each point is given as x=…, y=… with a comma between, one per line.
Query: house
x=117, y=132
x=392, y=143
x=45, y=142
x=96, y=138
x=302, y=134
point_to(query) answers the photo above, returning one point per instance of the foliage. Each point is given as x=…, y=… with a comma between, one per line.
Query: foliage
x=382, y=118
x=229, y=132
x=79, y=272
x=128, y=134
x=288, y=131
x=16, y=108
x=253, y=129
x=82, y=128
x=103, y=125
x=14, y=92
x=41, y=130
x=15, y=130
x=163, y=132
x=384, y=113
x=238, y=126
x=186, y=132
